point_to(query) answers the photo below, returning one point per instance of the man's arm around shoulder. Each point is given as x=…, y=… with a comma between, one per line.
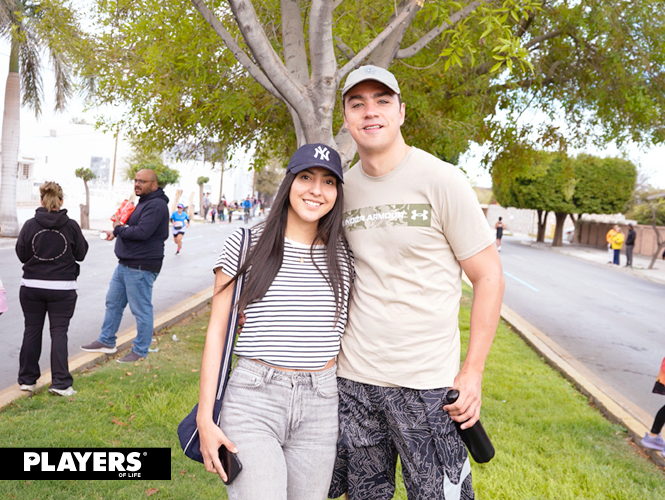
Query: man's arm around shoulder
x=485, y=272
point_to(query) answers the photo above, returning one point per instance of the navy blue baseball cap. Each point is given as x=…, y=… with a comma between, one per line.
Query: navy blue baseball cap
x=316, y=155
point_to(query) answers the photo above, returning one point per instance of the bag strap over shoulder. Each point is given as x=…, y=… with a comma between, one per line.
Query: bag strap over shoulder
x=232, y=326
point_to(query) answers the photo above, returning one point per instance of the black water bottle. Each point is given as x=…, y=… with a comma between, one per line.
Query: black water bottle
x=475, y=438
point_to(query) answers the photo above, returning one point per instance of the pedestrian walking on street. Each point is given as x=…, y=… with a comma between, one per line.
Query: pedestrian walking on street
x=247, y=207
x=499, y=226
x=630, y=245
x=220, y=209
x=616, y=244
x=653, y=439
x=608, y=237
x=180, y=221
x=279, y=412
x=139, y=247
x=206, y=206
x=50, y=245
x=232, y=208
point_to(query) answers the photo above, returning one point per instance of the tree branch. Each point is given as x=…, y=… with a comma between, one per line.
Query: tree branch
x=235, y=49
x=293, y=40
x=264, y=53
x=432, y=34
x=547, y=36
x=344, y=48
x=360, y=56
x=321, y=48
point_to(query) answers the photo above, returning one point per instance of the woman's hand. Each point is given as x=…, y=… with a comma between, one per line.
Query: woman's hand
x=212, y=438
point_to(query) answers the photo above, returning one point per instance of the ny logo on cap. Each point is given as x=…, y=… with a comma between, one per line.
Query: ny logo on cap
x=323, y=151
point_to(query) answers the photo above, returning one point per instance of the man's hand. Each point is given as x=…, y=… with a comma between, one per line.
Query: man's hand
x=117, y=223
x=466, y=410
x=109, y=234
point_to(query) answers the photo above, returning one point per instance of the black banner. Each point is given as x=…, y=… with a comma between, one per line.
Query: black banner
x=86, y=463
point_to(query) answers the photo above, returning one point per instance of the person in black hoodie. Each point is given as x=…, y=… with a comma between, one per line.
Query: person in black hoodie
x=140, y=250
x=49, y=245
x=630, y=245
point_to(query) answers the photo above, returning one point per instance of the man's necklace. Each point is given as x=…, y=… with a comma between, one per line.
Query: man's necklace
x=302, y=259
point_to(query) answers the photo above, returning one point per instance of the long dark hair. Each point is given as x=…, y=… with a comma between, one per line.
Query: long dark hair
x=266, y=255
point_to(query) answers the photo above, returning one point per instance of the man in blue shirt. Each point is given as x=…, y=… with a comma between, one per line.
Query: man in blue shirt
x=247, y=205
x=180, y=220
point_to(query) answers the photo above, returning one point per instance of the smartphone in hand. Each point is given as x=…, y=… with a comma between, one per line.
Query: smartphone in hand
x=231, y=464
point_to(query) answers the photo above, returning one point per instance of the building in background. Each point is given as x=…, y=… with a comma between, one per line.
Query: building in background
x=54, y=152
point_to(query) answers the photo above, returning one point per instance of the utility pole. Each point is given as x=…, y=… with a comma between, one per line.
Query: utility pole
x=115, y=155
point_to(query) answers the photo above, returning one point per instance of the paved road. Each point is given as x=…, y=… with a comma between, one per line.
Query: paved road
x=610, y=321
x=182, y=276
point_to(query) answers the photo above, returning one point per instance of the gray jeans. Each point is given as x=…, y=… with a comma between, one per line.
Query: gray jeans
x=629, y=255
x=285, y=426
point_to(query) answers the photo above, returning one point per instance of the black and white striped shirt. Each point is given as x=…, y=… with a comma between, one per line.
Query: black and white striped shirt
x=293, y=326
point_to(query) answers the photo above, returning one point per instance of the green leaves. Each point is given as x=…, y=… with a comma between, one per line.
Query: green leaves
x=526, y=178
x=85, y=174
x=595, y=66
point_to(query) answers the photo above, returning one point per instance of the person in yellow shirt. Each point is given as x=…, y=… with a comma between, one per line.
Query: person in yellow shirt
x=608, y=237
x=616, y=244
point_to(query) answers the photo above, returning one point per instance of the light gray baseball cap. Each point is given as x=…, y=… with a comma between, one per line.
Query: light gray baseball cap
x=370, y=72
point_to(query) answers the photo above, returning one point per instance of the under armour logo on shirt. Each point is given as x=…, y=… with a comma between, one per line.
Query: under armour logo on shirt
x=415, y=214
x=323, y=151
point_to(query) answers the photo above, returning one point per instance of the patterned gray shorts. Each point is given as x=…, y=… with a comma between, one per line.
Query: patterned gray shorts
x=379, y=423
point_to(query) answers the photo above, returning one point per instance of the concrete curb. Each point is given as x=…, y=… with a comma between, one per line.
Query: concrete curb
x=611, y=403
x=85, y=360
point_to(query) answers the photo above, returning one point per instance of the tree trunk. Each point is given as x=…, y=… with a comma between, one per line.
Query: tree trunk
x=558, y=230
x=655, y=256
x=541, y=225
x=221, y=183
x=310, y=98
x=85, y=209
x=659, y=241
x=11, y=128
x=577, y=230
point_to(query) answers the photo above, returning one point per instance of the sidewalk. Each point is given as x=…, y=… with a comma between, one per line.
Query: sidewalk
x=600, y=256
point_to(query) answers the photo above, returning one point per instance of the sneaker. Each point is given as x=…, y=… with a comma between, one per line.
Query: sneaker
x=655, y=443
x=97, y=346
x=132, y=357
x=27, y=387
x=62, y=392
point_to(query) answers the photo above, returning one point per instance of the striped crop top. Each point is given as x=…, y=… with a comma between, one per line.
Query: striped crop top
x=293, y=326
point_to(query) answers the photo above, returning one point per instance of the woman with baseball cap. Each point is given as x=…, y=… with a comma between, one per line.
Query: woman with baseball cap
x=180, y=220
x=279, y=412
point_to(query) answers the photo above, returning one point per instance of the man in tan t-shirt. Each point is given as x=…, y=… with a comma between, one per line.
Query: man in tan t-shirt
x=414, y=224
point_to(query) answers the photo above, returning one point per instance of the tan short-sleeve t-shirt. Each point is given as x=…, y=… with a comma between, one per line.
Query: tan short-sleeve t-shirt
x=408, y=231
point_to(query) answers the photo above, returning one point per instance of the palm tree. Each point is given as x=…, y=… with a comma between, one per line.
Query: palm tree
x=31, y=27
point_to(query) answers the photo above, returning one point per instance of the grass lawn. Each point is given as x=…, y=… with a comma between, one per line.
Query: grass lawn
x=550, y=443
